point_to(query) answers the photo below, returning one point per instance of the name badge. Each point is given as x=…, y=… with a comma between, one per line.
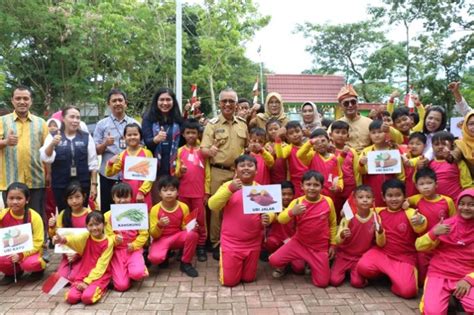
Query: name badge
x=122, y=144
x=73, y=171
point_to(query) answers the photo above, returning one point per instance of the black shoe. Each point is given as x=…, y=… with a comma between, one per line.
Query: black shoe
x=264, y=255
x=216, y=253
x=35, y=276
x=179, y=254
x=164, y=264
x=201, y=253
x=188, y=269
x=7, y=280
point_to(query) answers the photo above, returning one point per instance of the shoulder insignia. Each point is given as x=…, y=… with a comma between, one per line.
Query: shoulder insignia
x=214, y=120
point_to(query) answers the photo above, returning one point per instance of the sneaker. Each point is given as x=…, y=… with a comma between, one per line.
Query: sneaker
x=7, y=280
x=188, y=269
x=179, y=254
x=201, y=253
x=278, y=273
x=216, y=253
x=35, y=276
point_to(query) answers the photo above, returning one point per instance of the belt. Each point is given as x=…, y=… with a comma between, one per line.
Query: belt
x=222, y=167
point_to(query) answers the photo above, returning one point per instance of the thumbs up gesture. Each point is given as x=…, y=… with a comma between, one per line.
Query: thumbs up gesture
x=417, y=218
x=161, y=136
x=214, y=148
x=12, y=139
x=57, y=138
x=441, y=228
x=109, y=140
x=298, y=208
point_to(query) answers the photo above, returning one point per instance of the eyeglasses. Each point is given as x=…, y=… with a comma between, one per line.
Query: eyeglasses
x=230, y=101
x=347, y=103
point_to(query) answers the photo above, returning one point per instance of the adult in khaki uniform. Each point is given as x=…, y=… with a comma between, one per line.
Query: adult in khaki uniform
x=224, y=139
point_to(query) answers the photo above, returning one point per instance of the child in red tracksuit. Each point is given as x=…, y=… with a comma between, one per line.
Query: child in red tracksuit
x=168, y=227
x=310, y=212
x=315, y=154
x=74, y=216
x=279, y=170
x=414, y=160
x=452, y=177
x=193, y=171
x=395, y=253
x=241, y=234
x=296, y=168
x=265, y=161
x=18, y=213
x=433, y=206
x=93, y=276
x=451, y=269
x=354, y=238
x=280, y=234
x=127, y=262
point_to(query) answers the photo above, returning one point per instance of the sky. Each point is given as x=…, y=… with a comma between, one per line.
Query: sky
x=283, y=50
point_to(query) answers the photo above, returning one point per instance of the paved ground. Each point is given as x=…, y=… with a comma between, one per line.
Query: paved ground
x=168, y=291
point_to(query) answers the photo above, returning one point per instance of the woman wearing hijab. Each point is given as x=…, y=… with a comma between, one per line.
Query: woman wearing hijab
x=466, y=144
x=311, y=119
x=273, y=109
x=451, y=269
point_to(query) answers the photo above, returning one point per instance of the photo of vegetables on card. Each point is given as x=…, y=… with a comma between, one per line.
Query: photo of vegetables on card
x=129, y=216
x=140, y=168
x=262, y=199
x=16, y=239
x=64, y=249
x=384, y=162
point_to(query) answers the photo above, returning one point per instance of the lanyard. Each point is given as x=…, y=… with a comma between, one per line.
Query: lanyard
x=116, y=127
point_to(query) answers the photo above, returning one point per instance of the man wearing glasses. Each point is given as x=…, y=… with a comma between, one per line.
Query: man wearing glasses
x=224, y=139
x=358, y=124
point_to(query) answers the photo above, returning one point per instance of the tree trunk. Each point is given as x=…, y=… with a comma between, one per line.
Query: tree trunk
x=213, y=96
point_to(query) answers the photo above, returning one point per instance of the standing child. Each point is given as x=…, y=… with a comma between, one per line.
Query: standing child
x=402, y=122
x=18, y=213
x=264, y=158
x=414, y=160
x=310, y=212
x=296, y=168
x=354, y=238
x=378, y=137
x=395, y=253
x=127, y=262
x=133, y=138
x=433, y=206
x=74, y=216
x=279, y=170
x=168, y=227
x=241, y=234
x=348, y=160
x=452, y=177
x=315, y=154
x=50, y=204
x=93, y=276
x=451, y=269
x=193, y=171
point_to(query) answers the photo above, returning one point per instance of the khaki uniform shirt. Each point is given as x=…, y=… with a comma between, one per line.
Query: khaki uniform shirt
x=358, y=132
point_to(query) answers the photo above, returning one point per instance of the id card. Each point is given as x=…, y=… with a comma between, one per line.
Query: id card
x=73, y=171
x=122, y=144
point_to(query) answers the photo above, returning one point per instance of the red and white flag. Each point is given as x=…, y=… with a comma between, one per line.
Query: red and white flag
x=191, y=219
x=349, y=208
x=194, y=93
x=54, y=284
x=409, y=101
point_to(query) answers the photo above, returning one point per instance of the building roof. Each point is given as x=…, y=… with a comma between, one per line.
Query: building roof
x=296, y=88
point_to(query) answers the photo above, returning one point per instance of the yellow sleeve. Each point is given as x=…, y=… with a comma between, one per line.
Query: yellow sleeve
x=268, y=158
x=184, y=207
x=414, y=161
x=207, y=181
x=417, y=228
x=414, y=200
x=306, y=153
x=380, y=237
x=108, y=224
x=343, y=225
x=401, y=175
x=340, y=180
x=451, y=207
x=396, y=136
x=145, y=188
x=77, y=242
x=141, y=239
x=284, y=216
x=355, y=167
x=425, y=243
x=332, y=222
x=155, y=230
x=390, y=107
x=465, y=178
x=59, y=224
x=178, y=162
x=362, y=169
x=421, y=113
x=115, y=168
x=218, y=201
x=282, y=152
x=38, y=233
x=102, y=263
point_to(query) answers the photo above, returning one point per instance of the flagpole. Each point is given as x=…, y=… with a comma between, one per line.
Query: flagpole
x=179, y=57
x=261, y=75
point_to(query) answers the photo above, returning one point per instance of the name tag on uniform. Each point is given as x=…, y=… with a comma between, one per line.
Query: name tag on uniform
x=73, y=171
x=122, y=144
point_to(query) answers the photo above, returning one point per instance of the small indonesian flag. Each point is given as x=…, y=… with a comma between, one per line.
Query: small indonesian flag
x=194, y=91
x=333, y=175
x=255, y=91
x=54, y=284
x=349, y=208
x=409, y=101
x=191, y=219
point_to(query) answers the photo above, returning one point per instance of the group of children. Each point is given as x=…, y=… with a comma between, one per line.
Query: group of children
x=404, y=225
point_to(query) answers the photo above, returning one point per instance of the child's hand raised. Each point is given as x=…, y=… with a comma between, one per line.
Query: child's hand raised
x=378, y=226
x=281, y=132
x=140, y=197
x=363, y=160
x=417, y=218
x=441, y=228
x=265, y=217
x=164, y=221
x=58, y=239
x=236, y=184
x=52, y=221
x=298, y=208
x=422, y=162
x=114, y=159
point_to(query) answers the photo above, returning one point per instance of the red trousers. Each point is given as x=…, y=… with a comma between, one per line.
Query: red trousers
x=318, y=261
x=423, y=261
x=93, y=293
x=182, y=240
x=273, y=243
x=68, y=270
x=238, y=266
x=341, y=265
x=436, y=296
x=31, y=263
x=126, y=266
x=403, y=275
x=198, y=204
